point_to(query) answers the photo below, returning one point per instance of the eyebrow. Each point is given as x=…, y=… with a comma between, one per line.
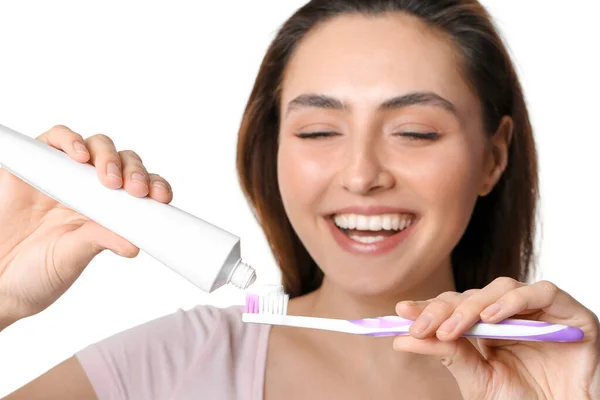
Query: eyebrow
x=311, y=100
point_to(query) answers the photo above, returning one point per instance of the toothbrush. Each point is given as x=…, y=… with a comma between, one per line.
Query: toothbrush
x=204, y=254
x=268, y=305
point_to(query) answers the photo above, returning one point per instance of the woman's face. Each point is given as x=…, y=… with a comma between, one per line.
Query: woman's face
x=382, y=151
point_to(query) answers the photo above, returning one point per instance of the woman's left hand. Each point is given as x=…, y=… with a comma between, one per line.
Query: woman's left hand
x=488, y=369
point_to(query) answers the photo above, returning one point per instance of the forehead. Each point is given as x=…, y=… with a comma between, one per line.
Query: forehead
x=364, y=59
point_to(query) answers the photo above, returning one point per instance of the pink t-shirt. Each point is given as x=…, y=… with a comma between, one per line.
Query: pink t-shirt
x=203, y=353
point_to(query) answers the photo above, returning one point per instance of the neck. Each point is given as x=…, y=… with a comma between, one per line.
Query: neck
x=332, y=301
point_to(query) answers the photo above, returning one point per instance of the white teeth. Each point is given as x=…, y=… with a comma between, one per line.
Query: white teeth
x=362, y=223
x=351, y=219
x=386, y=222
x=374, y=223
x=367, y=239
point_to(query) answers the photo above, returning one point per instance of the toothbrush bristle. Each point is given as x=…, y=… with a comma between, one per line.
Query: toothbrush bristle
x=252, y=303
x=267, y=300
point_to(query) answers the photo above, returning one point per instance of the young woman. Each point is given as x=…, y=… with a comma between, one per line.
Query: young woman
x=387, y=151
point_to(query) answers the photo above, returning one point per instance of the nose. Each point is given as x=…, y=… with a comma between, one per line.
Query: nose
x=365, y=170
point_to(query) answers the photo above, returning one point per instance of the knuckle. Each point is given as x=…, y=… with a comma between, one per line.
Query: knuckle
x=101, y=137
x=130, y=154
x=447, y=296
x=59, y=128
x=114, y=160
x=440, y=305
x=449, y=359
x=506, y=282
x=446, y=361
x=515, y=297
x=468, y=307
x=470, y=292
x=549, y=287
x=96, y=247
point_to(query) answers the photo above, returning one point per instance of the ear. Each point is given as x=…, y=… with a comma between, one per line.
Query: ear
x=497, y=156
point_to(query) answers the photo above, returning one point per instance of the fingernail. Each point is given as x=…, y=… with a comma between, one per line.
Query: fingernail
x=80, y=148
x=450, y=324
x=113, y=169
x=161, y=185
x=492, y=310
x=138, y=177
x=403, y=305
x=422, y=323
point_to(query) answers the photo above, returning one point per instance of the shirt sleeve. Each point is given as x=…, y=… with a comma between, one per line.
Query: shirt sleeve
x=148, y=361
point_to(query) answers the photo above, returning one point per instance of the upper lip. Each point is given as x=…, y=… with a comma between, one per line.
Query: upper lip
x=373, y=210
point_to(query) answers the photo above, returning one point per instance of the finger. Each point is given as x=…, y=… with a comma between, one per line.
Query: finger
x=134, y=171
x=104, y=156
x=160, y=189
x=434, y=314
x=542, y=295
x=411, y=309
x=76, y=248
x=470, y=369
x=64, y=139
x=467, y=313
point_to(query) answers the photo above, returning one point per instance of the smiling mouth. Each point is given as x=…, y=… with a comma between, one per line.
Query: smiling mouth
x=369, y=229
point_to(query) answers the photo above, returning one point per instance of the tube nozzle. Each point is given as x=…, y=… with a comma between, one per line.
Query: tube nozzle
x=242, y=275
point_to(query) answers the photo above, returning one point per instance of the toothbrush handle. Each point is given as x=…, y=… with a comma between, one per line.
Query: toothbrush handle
x=166, y=233
x=509, y=329
x=526, y=330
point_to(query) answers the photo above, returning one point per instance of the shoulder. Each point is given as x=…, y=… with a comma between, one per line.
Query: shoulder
x=222, y=327
x=204, y=346
x=190, y=334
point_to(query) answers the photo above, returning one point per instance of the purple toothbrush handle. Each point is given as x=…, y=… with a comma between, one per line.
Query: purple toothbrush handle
x=565, y=334
x=383, y=322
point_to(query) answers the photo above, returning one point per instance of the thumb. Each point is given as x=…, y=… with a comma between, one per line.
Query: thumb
x=76, y=249
x=468, y=366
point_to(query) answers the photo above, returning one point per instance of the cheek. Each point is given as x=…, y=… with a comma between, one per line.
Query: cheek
x=445, y=178
x=450, y=184
x=457, y=180
x=303, y=176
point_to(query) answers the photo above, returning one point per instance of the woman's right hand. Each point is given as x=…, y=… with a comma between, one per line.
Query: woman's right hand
x=45, y=246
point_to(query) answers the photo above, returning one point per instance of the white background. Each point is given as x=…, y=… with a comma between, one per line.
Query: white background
x=171, y=81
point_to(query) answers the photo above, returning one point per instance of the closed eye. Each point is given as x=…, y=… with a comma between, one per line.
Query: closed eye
x=419, y=135
x=316, y=135
x=410, y=135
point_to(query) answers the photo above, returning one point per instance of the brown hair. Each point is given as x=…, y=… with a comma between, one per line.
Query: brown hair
x=499, y=238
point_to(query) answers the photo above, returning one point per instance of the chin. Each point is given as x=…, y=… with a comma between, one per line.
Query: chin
x=390, y=278
x=369, y=282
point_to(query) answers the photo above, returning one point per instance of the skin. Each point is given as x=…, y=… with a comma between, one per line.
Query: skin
x=30, y=280
x=362, y=62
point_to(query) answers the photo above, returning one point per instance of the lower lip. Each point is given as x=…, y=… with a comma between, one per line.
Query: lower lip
x=373, y=249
